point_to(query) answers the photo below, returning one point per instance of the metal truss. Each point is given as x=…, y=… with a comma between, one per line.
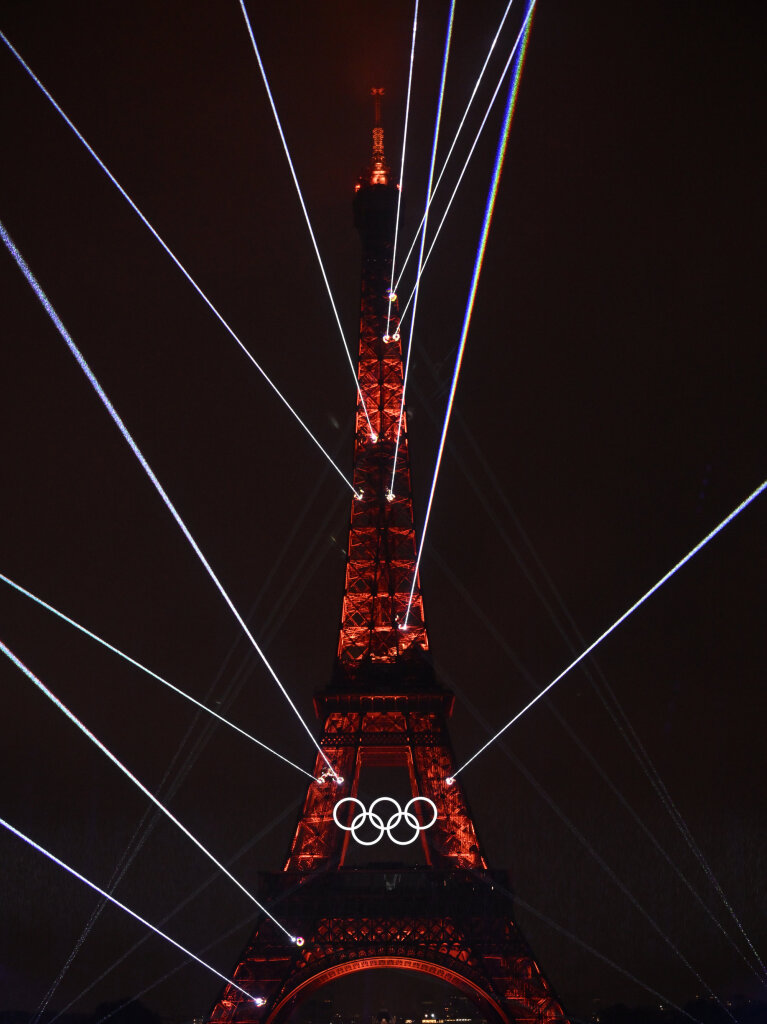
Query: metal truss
x=456, y=925
x=392, y=735
x=381, y=560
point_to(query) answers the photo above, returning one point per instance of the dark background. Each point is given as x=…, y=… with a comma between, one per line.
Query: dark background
x=610, y=407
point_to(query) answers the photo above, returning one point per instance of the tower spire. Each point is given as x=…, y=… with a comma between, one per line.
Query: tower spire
x=378, y=172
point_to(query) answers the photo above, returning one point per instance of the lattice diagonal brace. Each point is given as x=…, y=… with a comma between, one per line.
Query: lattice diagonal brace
x=382, y=551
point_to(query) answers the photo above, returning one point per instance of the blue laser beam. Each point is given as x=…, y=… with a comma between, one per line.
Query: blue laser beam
x=402, y=161
x=284, y=141
x=176, y=260
x=22, y=265
x=136, y=782
x=424, y=222
x=489, y=207
x=477, y=84
x=637, y=604
x=133, y=914
x=148, y=671
x=522, y=36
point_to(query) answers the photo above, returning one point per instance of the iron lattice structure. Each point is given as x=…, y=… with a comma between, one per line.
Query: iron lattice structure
x=451, y=918
x=381, y=553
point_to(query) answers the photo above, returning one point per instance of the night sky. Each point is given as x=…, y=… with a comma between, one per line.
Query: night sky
x=609, y=414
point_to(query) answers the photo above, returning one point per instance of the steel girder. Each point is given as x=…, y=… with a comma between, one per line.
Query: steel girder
x=416, y=740
x=455, y=925
x=381, y=555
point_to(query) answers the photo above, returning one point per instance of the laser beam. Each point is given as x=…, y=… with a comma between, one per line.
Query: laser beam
x=522, y=36
x=148, y=470
x=284, y=141
x=455, y=138
x=176, y=260
x=117, y=903
x=148, y=671
x=402, y=162
x=424, y=222
x=286, y=812
x=136, y=782
x=489, y=207
x=683, y=561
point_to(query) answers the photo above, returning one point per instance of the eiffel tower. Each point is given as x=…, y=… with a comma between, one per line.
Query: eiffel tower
x=451, y=917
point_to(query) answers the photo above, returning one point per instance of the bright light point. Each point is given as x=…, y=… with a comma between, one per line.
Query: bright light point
x=449, y=780
x=298, y=940
x=259, y=1001
x=390, y=495
x=374, y=438
x=339, y=780
x=392, y=296
x=396, y=336
x=359, y=495
x=402, y=625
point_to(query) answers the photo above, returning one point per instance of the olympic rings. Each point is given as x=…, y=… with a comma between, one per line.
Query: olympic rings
x=385, y=828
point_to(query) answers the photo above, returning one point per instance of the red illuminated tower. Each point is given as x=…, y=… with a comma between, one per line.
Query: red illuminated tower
x=451, y=917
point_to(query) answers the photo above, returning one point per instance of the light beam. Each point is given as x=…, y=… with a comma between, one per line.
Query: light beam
x=133, y=914
x=149, y=672
x=424, y=222
x=683, y=561
x=490, y=206
x=136, y=782
x=175, y=259
x=455, y=138
x=284, y=141
x=521, y=35
x=392, y=289
x=288, y=811
x=147, y=469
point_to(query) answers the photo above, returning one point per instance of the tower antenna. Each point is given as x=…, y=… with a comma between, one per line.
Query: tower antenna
x=379, y=168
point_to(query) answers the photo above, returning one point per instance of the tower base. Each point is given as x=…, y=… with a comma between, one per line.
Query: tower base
x=455, y=925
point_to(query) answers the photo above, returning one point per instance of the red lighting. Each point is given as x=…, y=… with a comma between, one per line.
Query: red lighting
x=382, y=547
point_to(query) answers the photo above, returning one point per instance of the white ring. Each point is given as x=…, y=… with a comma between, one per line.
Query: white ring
x=385, y=827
